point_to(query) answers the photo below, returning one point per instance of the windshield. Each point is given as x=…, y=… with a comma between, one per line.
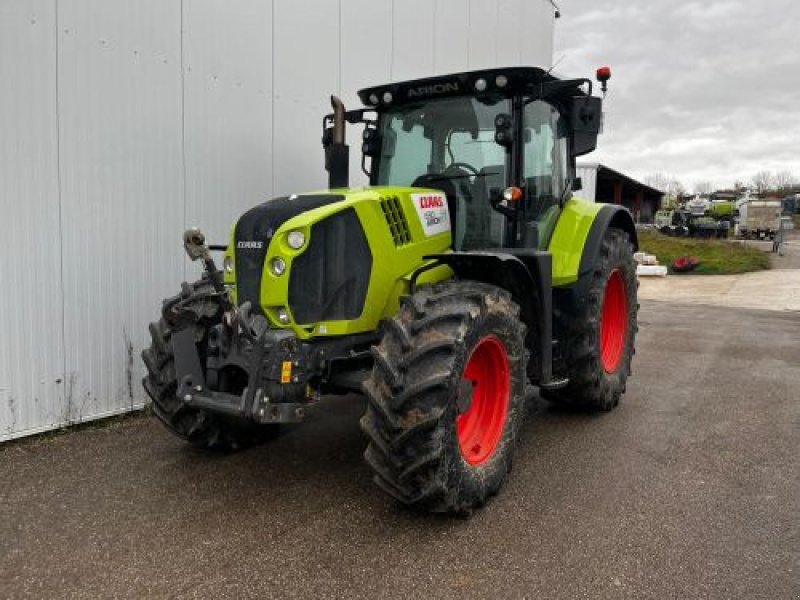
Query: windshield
x=449, y=145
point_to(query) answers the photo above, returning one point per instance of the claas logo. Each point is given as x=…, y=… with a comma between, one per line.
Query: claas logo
x=431, y=202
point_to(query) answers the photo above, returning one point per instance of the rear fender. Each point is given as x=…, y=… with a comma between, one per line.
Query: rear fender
x=578, y=234
x=610, y=215
x=569, y=296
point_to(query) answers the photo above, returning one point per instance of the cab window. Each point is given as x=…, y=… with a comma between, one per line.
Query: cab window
x=449, y=144
x=545, y=168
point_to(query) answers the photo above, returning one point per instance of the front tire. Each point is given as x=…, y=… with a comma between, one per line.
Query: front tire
x=447, y=397
x=196, y=426
x=600, y=330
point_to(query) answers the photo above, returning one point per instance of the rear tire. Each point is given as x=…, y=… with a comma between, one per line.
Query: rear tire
x=430, y=446
x=601, y=330
x=196, y=426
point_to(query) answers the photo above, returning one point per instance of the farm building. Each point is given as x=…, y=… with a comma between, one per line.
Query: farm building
x=125, y=122
x=604, y=184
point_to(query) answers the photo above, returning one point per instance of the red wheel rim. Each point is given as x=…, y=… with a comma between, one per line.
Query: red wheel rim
x=480, y=428
x=613, y=322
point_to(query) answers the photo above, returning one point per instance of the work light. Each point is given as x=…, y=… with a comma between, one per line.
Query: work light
x=296, y=239
x=278, y=265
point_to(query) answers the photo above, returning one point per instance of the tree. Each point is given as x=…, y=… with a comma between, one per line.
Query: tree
x=668, y=184
x=763, y=182
x=658, y=181
x=784, y=181
x=703, y=188
x=676, y=188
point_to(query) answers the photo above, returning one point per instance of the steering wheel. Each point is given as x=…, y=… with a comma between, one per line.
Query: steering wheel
x=464, y=166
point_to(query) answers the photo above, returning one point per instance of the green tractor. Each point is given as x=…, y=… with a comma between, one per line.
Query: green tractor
x=464, y=274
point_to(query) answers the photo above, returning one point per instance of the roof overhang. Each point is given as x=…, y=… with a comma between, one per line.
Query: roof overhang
x=613, y=173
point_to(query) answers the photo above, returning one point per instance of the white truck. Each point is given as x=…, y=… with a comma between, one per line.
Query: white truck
x=760, y=219
x=698, y=206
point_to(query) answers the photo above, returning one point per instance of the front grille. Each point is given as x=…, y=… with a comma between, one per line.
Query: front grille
x=396, y=220
x=329, y=280
x=253, y=234
x=256, y=233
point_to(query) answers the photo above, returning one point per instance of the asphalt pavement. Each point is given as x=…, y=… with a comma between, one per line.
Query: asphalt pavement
x=691, y=489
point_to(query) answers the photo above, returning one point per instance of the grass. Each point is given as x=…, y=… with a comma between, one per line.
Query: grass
x=716, y=257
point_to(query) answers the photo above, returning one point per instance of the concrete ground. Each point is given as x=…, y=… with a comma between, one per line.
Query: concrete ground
x=776, y=289
x=691, y=489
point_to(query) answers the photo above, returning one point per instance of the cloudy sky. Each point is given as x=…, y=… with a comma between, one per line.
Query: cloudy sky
x=703, y=91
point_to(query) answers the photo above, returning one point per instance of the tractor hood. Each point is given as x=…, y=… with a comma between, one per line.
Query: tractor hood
x=331, y=262
x=254, y=231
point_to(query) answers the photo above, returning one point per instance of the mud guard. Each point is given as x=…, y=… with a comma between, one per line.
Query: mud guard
x=567, y=299
x=610, y=215
x=527, y=275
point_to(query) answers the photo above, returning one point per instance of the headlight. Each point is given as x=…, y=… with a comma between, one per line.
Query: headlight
x=278, y=265
x=227, y=264
x=283, y=316
x=296, y=239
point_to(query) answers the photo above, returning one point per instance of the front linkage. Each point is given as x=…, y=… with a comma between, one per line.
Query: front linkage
x=237, y=351
x=252, y=372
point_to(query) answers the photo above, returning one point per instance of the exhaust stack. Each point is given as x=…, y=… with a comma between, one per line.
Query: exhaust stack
x=337, y=152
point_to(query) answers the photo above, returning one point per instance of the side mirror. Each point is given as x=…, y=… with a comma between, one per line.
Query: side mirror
x=577, y=184
x=586, y=121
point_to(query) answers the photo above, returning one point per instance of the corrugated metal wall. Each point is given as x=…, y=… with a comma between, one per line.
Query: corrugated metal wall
x=124, y=121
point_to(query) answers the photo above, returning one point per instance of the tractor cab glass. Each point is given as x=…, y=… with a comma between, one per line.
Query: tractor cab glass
x=465, y=146
x=544, y=170
x=449, y=144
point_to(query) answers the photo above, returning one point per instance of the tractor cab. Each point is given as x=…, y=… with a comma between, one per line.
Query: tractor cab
x=501, y=144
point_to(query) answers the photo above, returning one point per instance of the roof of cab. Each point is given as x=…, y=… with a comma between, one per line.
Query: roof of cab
x=505, y=81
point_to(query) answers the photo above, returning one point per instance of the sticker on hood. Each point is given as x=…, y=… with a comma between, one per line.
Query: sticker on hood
x=432, y=211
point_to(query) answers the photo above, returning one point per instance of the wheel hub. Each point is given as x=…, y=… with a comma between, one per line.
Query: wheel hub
x=480, y=427
x=613, y=322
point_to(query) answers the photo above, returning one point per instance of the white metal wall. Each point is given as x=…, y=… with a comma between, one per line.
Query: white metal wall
x=124, y=121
